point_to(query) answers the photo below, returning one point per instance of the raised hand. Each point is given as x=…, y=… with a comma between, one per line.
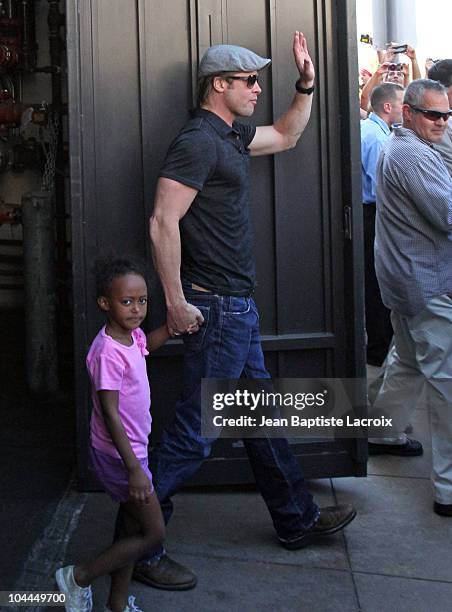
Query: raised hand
x=382, y=71
x=386, y=55
x=410, y=52
x=303, y=59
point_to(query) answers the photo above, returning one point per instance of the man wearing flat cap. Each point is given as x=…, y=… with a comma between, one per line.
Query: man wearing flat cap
x=203, y=250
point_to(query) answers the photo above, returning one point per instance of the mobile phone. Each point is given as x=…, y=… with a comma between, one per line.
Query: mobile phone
x=399, y=48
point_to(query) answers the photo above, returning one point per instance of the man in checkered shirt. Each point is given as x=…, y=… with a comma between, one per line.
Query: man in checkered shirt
x=413, y=260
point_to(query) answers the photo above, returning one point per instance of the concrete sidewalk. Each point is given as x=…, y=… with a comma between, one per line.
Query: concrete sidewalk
x=396, y=556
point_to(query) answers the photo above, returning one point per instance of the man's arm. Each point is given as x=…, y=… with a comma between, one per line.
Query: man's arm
x=415, y=70
x=430, y=186
x=286, y=131
x=172, y=200
x=370, y=152
x=375, y=79
x=411, y=54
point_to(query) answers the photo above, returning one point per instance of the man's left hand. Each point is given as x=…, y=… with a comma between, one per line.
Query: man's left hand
x=303, y=60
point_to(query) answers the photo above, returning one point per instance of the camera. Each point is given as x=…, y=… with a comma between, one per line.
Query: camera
x=365, y=38
x=395, y=67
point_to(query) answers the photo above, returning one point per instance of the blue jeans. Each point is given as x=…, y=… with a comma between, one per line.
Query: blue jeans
x=226, y=346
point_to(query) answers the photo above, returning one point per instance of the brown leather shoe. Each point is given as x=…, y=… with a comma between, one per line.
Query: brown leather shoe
x=331, y=519
x=165, y=574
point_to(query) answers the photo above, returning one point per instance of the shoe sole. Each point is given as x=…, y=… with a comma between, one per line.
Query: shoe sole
x=185, y=586
x=441, y=512
x=313, y=535
x=405, y=453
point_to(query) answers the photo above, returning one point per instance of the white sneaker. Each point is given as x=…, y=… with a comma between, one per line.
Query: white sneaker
x=131, y=607
x=78, y=599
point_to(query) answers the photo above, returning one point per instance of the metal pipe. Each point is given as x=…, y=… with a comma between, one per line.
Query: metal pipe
x=29, y=46
x=55, y=21
x=394, y=20
x=40, y=294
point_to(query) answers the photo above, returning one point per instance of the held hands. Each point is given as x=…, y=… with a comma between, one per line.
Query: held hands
x=303, y=60
x=184, y=318
x=139, y=486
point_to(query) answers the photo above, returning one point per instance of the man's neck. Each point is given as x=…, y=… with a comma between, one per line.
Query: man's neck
x=384, y=119
x=424, y=140
x=220, y=110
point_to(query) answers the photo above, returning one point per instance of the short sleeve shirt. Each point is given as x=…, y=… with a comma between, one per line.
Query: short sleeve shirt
x=374, y=135
x=216, y=235
x=115, y=367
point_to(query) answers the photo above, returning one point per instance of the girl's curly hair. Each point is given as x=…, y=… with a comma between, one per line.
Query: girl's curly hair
x=110, y=267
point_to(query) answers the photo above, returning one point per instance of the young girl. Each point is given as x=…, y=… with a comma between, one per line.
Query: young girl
x=120, y=426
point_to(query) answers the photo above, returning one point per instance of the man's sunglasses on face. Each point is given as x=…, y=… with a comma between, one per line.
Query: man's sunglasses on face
x=432, y=115
x=250, y=80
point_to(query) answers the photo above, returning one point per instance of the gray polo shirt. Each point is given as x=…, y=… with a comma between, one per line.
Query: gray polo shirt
x=445, y=147
x=413, y=243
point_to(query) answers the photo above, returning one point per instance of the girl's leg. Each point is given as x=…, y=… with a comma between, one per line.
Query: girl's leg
x=126, y=526
x=148, y=531
x=133, y=522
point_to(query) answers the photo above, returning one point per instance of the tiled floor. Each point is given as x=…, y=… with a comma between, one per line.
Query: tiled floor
x=396, y=556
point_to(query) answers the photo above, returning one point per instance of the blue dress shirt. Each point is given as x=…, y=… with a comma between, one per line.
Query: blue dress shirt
x=374, y=134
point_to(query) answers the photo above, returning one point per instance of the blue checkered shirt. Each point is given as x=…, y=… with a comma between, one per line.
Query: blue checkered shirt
x=413, y=243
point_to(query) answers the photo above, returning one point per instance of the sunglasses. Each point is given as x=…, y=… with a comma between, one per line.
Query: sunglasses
x=432, y=115
x=249, y=80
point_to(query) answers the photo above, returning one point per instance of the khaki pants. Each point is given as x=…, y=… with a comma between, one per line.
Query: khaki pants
x=421, y=356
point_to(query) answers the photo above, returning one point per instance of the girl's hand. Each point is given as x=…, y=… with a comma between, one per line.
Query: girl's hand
x=139, y=486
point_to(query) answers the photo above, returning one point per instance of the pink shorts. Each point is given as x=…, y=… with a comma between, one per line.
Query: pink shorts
x=112, y=474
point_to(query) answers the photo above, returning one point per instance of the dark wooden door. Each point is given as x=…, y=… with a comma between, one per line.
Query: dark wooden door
x=132, y=77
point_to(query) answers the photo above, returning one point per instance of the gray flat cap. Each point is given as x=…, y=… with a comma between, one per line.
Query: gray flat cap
x=230, y=58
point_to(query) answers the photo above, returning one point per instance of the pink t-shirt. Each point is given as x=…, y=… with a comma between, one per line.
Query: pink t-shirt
x=115, y=367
